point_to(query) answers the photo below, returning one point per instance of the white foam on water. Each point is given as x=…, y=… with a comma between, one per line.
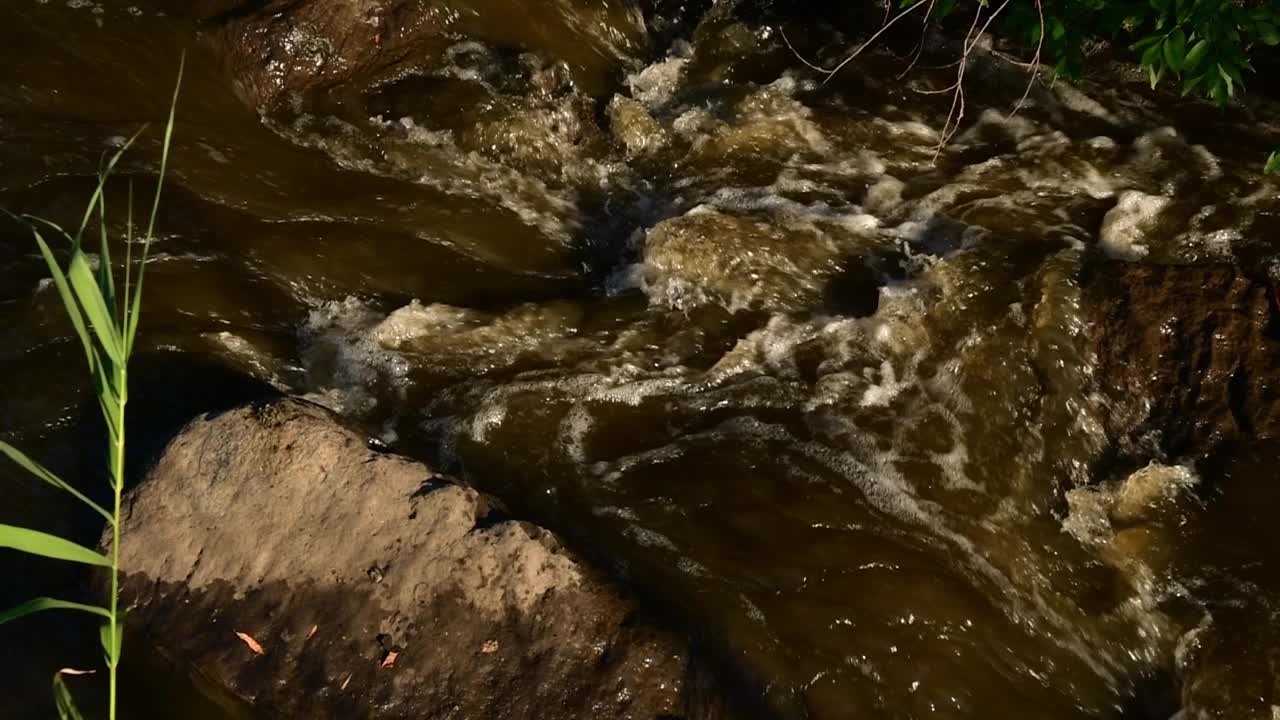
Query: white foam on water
x=1140, y=497
x=745, y=247
x=575, y=427
x=650, y=538
x=259, y=362
x=657, y=84
x=885, y=195
x=488, y=418
x=1126, y=227
x=469, y=174
x=882, y=393
x=346, y=369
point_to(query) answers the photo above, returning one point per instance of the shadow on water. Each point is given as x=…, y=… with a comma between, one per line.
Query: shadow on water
x=170, y=389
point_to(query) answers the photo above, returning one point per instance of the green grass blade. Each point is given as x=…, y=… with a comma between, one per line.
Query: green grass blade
x=102, y=182
x=108, y=399
x=44, y=474
x=41, y=604
x=68, y=300
x=50, y=546
x=95, y=307
x=112, y=649
x=128, y=261
x=62, y=699
x=131, y=321
x=106, y=279
x=49, y=223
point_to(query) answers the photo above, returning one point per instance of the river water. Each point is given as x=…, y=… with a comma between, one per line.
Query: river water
x=818, y=391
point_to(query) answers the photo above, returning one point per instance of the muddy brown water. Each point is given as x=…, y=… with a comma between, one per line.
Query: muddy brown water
x=818, y=393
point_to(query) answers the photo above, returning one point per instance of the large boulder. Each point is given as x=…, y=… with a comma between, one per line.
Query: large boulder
x=1188, y=357
x=287, y=50
x=374, y=587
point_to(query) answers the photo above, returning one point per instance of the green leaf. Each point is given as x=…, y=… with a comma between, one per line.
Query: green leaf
x=41, y=604
x=62, y=700
x=1175, y=49
x=106, y=280
x=1218, y=91
x=102, y=180
x=1268, y=33
x=1195, y=55
x=112, y=649
x=95, y=307
x=44, y=474
x=1152, y=56
x=1231, y=89
x=108, y=398
x=1146, y=42
x=50, y=546
x=1273, y=163
x=1234, y=72
x=128, y=261
x=1191, y=84
x=131, y=316
x=1155, y=74
x=64, y=290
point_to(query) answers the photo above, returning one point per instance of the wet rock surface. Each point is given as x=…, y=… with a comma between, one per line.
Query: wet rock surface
x=376, y=588
x=1188, y=355
x=288, y=51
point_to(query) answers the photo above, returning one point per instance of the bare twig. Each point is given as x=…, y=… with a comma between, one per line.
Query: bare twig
x=883, y=28
x=956, y=112
x=800, y=57
x=1035, y=62
x=1011, y=59
x=924, y=30
x=973, y=39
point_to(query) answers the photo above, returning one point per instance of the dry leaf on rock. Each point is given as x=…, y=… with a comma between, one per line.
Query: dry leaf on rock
x=253, y=644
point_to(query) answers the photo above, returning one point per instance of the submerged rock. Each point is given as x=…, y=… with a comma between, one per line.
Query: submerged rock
x=374, y=588
x=745, y=261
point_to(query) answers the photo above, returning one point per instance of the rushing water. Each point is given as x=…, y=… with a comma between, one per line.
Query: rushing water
x=816, y=390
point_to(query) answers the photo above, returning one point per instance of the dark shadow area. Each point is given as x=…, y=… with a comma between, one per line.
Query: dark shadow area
x=167, y=390
x=854, y=291
x=1156, y=697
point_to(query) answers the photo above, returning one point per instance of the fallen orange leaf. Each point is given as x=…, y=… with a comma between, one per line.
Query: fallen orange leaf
x=346, y=682
x=390, y=659
x=253, y=644
x=314, y=628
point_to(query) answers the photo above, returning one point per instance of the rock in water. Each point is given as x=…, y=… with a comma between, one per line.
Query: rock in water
x=287, y=51
x=1187, y=355
x=374, y=588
